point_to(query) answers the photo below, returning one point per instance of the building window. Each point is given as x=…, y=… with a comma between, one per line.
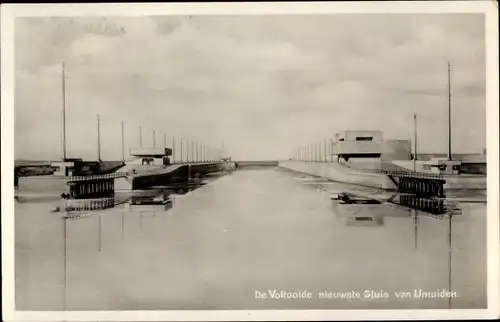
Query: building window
x=364, y=138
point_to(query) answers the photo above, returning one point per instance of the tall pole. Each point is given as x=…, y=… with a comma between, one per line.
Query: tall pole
x=64, y=110
x=164, y=141
x=415, y=142
x=181, y=150
x=173, y=148
x=65, y=264
x=123, y=143
x=325, y=149
x=98, y=139
x=331, y=150
x=187, y=150
x=449, y=111
x=415, y=223
x=154, y=139
x=140, y=136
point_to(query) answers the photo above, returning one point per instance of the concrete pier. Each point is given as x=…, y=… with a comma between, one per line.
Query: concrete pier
x=340, y=173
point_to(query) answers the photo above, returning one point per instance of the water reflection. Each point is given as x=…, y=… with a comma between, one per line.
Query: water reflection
x=355, y=209
x=211, y=252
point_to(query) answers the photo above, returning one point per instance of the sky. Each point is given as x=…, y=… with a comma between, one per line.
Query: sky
x=259, y=85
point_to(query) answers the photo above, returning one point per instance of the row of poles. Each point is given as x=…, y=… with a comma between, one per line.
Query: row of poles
x=182, y=150
x=313, y=152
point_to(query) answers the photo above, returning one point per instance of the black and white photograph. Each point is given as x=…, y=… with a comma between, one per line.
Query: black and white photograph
x=250, y=160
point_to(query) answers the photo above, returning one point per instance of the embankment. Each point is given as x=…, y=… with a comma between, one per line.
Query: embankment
x=340, y=173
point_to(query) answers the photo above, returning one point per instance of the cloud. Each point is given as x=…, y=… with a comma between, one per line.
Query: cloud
x=272, y=82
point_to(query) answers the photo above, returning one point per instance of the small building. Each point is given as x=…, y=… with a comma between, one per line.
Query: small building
x=63, y=168
x=362, y=146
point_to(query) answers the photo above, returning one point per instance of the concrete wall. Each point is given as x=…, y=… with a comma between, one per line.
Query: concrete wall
x=420, y=166
x=365, y=163
x=340, y=173
x=351, y=135
x=396, y=150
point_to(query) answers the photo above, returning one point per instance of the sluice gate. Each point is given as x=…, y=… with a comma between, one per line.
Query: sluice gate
x=421, y=191
x=91, y=192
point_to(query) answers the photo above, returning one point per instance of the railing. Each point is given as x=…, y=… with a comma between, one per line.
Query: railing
x=398, y=173
x=98, y=176
x=403, y=173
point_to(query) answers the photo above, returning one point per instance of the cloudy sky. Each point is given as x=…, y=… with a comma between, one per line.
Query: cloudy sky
x=262, y=85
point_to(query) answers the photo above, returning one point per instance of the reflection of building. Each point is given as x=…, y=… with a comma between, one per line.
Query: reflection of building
x=472, y=164
x=352, y=146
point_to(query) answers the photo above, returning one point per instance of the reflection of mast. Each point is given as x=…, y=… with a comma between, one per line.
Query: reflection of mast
x=449, y=112
x=65, y=262
x=449, y=259
x=98, y=139
x=123, y=224
x=123, y=144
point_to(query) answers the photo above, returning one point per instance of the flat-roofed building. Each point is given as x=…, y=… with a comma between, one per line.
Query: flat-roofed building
x=358, y=144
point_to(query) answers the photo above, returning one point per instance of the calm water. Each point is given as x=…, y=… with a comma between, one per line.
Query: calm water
x=254, y=230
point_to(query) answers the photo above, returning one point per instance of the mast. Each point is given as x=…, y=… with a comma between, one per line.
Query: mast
x=64, y=111
x=98, y=140
x=325, y=150
x=449, y=112
x=154, y=139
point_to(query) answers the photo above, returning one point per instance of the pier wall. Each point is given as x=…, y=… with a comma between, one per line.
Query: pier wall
x=340, y=173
